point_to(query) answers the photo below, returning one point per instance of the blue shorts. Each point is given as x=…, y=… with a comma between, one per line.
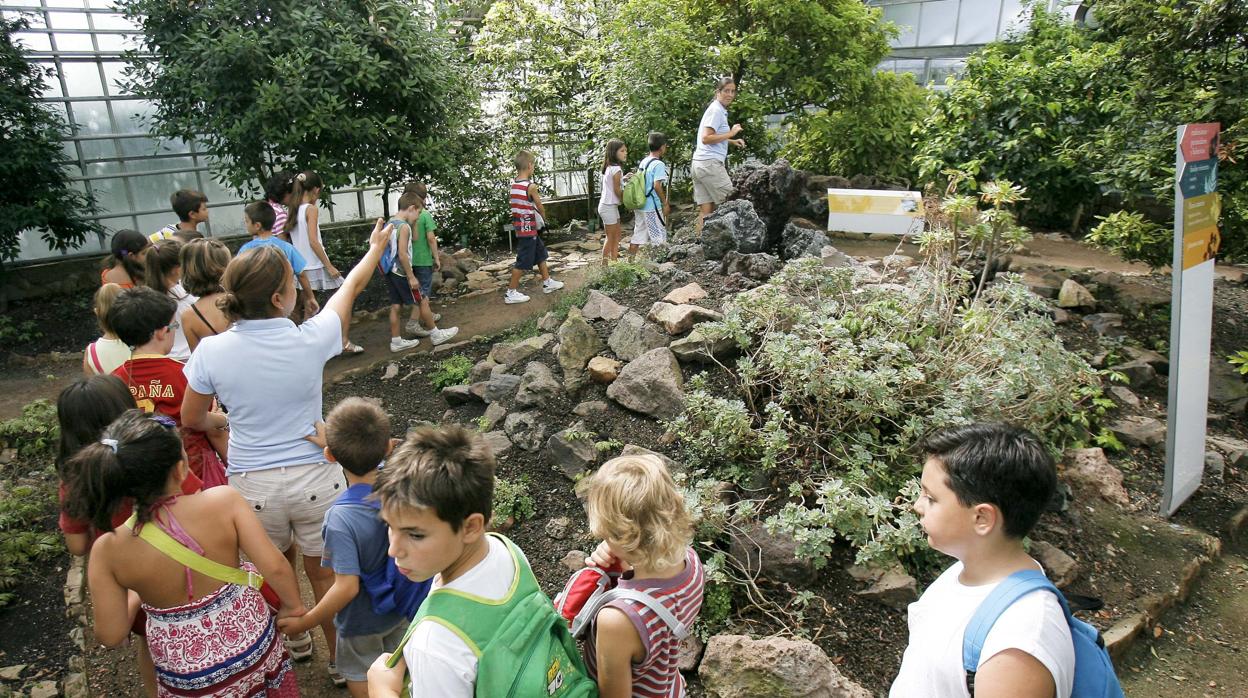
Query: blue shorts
x=400, y=292
x=530, y=251
x=425, y=276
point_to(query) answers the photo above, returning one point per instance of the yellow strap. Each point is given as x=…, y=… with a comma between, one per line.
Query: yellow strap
x=189, y=558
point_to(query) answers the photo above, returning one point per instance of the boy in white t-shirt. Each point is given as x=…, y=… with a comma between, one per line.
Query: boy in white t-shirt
x=984, y=488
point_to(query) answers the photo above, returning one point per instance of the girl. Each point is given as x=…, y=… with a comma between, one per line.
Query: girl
x=305, y=234
x=125, y=264
x=105, y=354
x=203, y=263
x=277, y=192
x=84, y=409
x=609, y=202
x=635, y=507
x=208, y=633
x=163, y=273
x=268, y=371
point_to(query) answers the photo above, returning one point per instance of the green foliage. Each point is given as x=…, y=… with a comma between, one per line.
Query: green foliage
x=871, y=135
x=717, y=606
x=619, y=275
x=1240, y=360
x=1134, y=237
x=17, y=334
x=37, y=192
x=608, y=445
x=34, y=433
x=513, y=500
x=452, y=371
x=24, y=538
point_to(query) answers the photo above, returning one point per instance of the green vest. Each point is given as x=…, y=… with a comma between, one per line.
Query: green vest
x=523, y=646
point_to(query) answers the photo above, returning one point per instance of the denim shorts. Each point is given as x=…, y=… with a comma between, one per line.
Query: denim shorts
x=530, y=251
x=425, y=276
x=400, y=292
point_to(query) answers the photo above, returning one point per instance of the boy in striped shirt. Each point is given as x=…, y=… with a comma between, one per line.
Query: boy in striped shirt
x=527, y=219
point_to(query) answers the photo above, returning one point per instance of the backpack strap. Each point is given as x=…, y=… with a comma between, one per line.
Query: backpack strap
x=1011, y=589
x=95, y=358
x=165, y=543
x=599, y=601
x=645, y=172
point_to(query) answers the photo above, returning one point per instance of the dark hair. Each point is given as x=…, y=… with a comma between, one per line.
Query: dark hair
x=261, y=212
x=722, y=82
x=416, y=188
x=278, y=186
x=448, y=469
x=357, y=432
x=203, y=263
x=656, y=140
x=160, y=259
x=612, y=156
x=127, y=247
x=83, y=409
x=998, y=464
x=250, y=281
x=304, y=182
x=186, y=201
x=147, y=448
x=137, y=314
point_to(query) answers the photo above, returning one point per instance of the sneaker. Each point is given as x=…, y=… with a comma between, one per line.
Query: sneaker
x=514, y=296
x=299, y=646
x=550, y=286
x=437, y=316
x=398, y=344
x=441, y=336
x=336, y=676
x=414, y=328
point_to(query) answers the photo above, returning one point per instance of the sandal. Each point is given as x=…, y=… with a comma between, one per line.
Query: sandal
x=336, y=676
x=299, y=646
x=352, y=348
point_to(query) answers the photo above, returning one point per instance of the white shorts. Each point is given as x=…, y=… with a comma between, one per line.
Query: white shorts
x=609, y=213
x=711, y=184
x=291, y=502
x=648, y=229
x=320, y=280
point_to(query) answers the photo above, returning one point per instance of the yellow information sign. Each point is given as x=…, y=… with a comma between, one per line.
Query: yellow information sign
x=1200, y=229
x=889, y=204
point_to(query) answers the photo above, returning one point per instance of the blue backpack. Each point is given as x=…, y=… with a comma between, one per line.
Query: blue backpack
x=1094, y=672
x=390, y=591
x=390, y=255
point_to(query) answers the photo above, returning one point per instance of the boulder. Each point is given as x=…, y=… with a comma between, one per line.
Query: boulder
x=525, y=429
x=498, y=442
x=1137, y=430
x=690, y=652
x=772, y=555
x=574, y=560
x=578, y=343
x=679, y=319
x=548, y=323
x=482, y=370
x=1060, y=567
x=501, y=386
x=478, y=389
x=759, y=266
x=538, y=385
x=633, y=336
x=697, y=347
x=734, y=226
x=1159, y=362
x=894, y=588
x=1088, y=469
x=651, y=384
x=899, y=261
x=572, y=456
x=1215, y=465
x=1138, y=373
x=1074, y=295
x=494, y=415
x=1105, y=324
x=456, y=395
x=512, y=353
x=590, y=408
x=691, y=252
x=834, y=258
x=635, y=450
x=801, y=238
x=1124, y=396
x=480, y=280
x=1236, y=450
x=603, y=370
x=736, y=666
x=781, y=193
x=601, y=307
x=1227, y=388
x=685, y=294
x=557, y=527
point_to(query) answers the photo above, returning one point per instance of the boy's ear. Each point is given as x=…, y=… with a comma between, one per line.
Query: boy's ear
x=988, y=518
x=390, y=448
x=473, y=527
x=329, y=456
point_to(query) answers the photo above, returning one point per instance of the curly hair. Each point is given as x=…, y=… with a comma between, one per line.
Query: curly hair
x=634, y=505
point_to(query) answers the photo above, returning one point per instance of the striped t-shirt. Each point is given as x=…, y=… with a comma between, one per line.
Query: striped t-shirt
x=657, y=675
x=523, y=212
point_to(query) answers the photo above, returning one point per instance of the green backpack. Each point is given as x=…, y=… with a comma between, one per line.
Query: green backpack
x=635, y=193
x=523, y=646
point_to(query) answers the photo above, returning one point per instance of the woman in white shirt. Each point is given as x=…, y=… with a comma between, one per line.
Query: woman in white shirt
x=711, y=184
x=609, y=203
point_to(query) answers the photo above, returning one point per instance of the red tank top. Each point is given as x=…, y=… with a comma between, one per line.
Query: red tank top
x=523, y=212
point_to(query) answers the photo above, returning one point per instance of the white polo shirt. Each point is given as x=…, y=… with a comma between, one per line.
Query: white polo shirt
x=715, y=118
x=267, y=373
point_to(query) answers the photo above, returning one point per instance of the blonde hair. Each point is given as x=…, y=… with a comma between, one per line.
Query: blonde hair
x=633, y=503
x=524, y=160
x=102, y=303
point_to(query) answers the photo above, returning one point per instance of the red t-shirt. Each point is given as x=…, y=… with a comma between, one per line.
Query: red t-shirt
x=68, y=524
x=158, y=385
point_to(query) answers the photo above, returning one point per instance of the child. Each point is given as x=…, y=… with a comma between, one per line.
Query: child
x=635, y=508
x=209, y=629
x=162, y=266
x=650, y=222
x=143, y=319
x=277, y=193
x=125, y=261
x=260, y=221
x=407, y=283
x=203, y=263
x=358, y=436
x=305, y=234
x=609, y=202
x=192, y=209
x=526, y=212
x=425, y=261
x=105, y=354
x=984, y=487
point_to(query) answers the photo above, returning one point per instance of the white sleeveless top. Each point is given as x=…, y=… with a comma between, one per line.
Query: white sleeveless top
x=299, y=238
x=608, y=187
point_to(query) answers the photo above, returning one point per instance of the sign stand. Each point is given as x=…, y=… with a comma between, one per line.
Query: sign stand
x=1196, y=240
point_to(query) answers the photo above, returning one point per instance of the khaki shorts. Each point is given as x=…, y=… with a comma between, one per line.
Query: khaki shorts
x=711, y=184
x=356, y=653
x=291, y=502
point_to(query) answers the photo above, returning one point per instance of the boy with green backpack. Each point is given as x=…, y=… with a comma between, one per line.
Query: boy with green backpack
x=486, y=628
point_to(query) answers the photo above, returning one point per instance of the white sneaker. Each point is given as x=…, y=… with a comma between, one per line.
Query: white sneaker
x=414, y=328
x=550, y=286
x=437, y=316
x=398, y=344
x=514, y=296
x=441, y=336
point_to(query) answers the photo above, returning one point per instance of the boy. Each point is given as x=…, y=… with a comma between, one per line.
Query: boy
x=526, y=212
x=357, y=434
x=145, y=320
x=404, y=283
x=984, y=487
x=650, y=222
x=192, y=209
x=259, y=219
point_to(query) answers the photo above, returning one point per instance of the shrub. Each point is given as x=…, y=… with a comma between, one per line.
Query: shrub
x=618, y=276
x=512, y=500
x=24, y=538
x=34, y=433
x=452, y=371
x=1134, y=237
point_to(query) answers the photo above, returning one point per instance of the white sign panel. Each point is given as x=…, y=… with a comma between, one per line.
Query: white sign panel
x=875, y=211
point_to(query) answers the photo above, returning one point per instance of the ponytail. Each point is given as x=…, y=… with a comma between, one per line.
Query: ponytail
x=160, y=259
x=127, y=248
x=304, y=182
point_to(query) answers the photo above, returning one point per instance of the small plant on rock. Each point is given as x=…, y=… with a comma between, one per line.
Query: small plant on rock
x=452, y=371
x=620, y=275
x=512, y=501
x=35, y=432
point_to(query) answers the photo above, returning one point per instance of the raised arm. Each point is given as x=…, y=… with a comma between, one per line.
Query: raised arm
x=344, y=298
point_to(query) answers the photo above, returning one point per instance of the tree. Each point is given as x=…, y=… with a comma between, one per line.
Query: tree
x=35, y=189
x=365, y=91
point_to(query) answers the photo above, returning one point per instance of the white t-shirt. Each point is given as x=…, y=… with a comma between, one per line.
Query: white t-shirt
x=181, y=349
x=932, y=664
x=715, y=118
x=440, y=663
x=268, y=375
x=299, y=237
x=608, y=186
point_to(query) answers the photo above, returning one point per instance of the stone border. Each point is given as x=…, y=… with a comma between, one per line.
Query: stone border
x=74, y=685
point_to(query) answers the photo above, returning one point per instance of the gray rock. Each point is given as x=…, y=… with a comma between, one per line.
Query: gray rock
x=1159, y=362
x=1138, y=430
x=498, y=442
x=1060, y=317
x=1138, y=373
x=734, y=226
x=1105, y=324
x=603, y=370
x=557, y=527
x=525, y=429
x=590, y=408
x=894, y=588
x=548, y=323
x=772, y=555
x=633, y=336
x=392, y=371
x=1215, y=465
x=1088, y=469
x=834, y=258
x=501, y=386
x=1060, y=567
x=685, y=294
x=75, y=686
x=759, y=266
x=691, y=252
x=690, y=652
x=456, y=395
x=1236, y=450
x=898, y=261
x=651, y=384
x=482, y=370
x=538, y=385
x=510, y=354
x=1124, y=396
x=1227, y=388
x=1074, y=295
x=494, y=415
x=44, y=689
x=735, y=666
x=477, y=390
x=12, y=672
x=572, y=456
x=601, y=307
x=696, y=347
x=578, y=343
x=574, y=560
x=800, y=239
x=679, y=319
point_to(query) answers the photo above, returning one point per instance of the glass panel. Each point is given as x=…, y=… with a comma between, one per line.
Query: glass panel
x=151, y=192
x=215, y=191
x=57, y=108
x=99, y=148
x=140, y=147
x=111, y=42
x=977, y=21
x=372, y=203
x=68, y=20
x=225, y=220
x=125, y=112
x=938, y=22
x=939, y=69
x=906, y=17
x=64, y=3
x=52, y=86
x=151, y=222
x=110, y=195
x=34, y=20
x=111, y=21
x=1013, y=17
x=914, y=66
x=112, y=75
x=160, y=164
x=346, y=206
x=74, y=42
x=112, y=225
x=82, y=79
x=34, y=41
x=103, y=4
x=91, y=117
